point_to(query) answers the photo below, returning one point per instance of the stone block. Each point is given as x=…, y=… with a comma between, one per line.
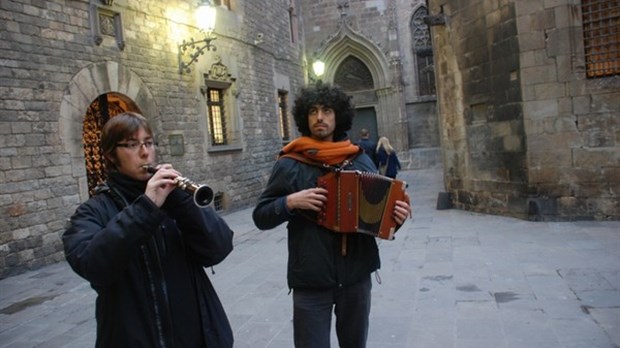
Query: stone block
x=537, y=109
x=605, y=102
x=563, y=124
x=581, y=104
x=550, y=158
x=549, y=90
x=528, y=7
x=538, y=74
x=601, y=157
x=564, y=64
x=612, y=176
x=543, y=175
x=532, y=41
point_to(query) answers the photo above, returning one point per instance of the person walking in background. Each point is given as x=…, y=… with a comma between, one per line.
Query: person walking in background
x=322, y=277
x=143, y=243
x=368, y=145
x=387, y=160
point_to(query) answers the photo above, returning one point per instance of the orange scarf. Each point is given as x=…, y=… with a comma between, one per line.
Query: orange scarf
x=327, y=152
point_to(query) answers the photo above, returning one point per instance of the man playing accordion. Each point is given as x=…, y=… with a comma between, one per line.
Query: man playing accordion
x=326, y=270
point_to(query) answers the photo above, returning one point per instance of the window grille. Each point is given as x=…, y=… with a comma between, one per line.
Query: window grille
x=217, y=120
x=283, y=111
x=601, y=34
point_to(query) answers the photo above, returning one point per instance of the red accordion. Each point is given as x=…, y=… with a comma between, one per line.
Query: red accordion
x=360, y=202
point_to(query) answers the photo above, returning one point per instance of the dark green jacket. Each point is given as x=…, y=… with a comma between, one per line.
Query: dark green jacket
x=147, y=266
x=315, y=259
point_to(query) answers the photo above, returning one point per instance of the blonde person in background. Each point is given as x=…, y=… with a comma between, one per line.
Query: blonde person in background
x=387, y=160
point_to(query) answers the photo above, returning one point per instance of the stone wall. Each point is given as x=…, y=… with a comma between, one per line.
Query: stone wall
x=377, y=33
x=52, y=68
x=571, y=121
x=523, y=132
x=55, y=63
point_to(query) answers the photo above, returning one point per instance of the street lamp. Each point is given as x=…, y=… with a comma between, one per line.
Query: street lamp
x=319, y=68
x=205, y=17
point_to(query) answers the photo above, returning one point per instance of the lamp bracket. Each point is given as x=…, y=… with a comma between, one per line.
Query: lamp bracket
x=195, y=48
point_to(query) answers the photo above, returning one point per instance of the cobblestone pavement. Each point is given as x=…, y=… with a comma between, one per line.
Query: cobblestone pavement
x=450, y=279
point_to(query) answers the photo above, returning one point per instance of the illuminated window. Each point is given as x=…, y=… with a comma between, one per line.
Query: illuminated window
x=220, y=95
x=601, y=35
x=283, y=111
x=216, y=114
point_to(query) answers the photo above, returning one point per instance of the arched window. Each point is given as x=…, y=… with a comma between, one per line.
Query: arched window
x=353, y=75
x=423, y=52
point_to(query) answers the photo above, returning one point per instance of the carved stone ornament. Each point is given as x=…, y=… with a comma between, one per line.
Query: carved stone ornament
x=107, y=2
x=106, y=22
x=219, y=71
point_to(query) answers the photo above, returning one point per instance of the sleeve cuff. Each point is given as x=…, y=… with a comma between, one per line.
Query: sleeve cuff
x=282, y=209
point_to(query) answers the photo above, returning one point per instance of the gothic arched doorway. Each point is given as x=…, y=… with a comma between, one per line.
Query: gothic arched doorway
x=354, y=76
x=104, y=107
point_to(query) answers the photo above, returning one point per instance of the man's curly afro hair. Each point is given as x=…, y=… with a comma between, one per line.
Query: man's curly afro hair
x=329, y=96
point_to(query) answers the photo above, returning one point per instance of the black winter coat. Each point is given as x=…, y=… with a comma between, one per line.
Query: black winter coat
x=315, y=259
x=146, y=265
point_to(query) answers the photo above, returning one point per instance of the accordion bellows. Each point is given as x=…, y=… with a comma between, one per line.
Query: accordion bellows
x=360, y=202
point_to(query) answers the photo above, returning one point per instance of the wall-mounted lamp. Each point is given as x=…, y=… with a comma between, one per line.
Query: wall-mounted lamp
x=318, y=67
x=205, y=17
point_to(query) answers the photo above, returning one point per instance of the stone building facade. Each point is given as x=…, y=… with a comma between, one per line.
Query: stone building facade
x=529, y=103
x=69, y=65
x=66, y=64
x=380, y=52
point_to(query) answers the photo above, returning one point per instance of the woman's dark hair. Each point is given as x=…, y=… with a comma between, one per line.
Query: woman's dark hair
x=329, y=96
x=117, y=129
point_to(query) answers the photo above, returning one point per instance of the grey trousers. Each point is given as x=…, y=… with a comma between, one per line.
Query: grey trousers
x=312, y=315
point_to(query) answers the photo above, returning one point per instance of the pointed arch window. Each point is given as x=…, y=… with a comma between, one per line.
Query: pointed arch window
x=423, y=52
x=353, y=75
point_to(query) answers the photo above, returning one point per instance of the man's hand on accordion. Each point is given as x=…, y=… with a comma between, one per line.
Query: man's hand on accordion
x=402, y=210
x=308, y=199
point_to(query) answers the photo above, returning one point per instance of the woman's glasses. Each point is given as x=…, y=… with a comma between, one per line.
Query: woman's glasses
x=134, y=146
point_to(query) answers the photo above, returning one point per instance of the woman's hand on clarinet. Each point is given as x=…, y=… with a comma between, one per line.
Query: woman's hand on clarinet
x=309, y=199
x=161, y=184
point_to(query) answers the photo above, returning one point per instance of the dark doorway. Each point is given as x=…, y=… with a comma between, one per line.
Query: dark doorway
x=98, y=113
x=364, y=118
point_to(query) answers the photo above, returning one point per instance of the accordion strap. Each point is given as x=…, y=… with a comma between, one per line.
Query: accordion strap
x=334, y=168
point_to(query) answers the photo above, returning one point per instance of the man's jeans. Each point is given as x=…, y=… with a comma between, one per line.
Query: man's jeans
x=312, y=315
